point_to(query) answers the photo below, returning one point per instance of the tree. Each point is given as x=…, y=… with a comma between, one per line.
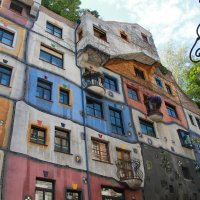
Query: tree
x=67, y=8
x=93, y=12
x=193, y=83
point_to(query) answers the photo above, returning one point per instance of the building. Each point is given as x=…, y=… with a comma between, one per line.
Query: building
x=88, y=112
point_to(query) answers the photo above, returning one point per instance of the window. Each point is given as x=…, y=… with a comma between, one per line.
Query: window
x=101, y=34
x=125, y=164
x=139, y=73
x=6, y=37
x=185, y=138
x=191, y=119
x=186, y=173
x=198, y=122
x=123, y=35
x=147, y=128
x=51, y=56
x=64, y=96
x=54, y=30
x=44, y=89
x=44, y=190
x=5, y=75
x=15, y=7
x=111, y=194
x=116, y=121
x=168, y=88
x=80, y=34
x=110, y=83
x=62, y=140
x=100, y=150
x=171, y=110
x=144, y=37
x=158, y=82
x=94, y=108
x=38, y=135
x=132, y=93
x=73, y=195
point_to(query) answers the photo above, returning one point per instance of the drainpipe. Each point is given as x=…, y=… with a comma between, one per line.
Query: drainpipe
x=83, y=106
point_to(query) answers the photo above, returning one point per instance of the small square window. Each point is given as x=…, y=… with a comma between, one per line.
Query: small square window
x=186, y=173
x=110, y=83
x=132, y=93
x=144, y=37
x=94, y=108
x=62, y=140
x=15, y=7
x=100, y=150
x=168, y=88
x=44, y=89
x=6, y=37
x=171, y=110
x=123, y=35
x=54, y=30
x=73, y=195
x=64, y=96
x=185, y=139
x=101, y=34
x=139, y=73
x=5, y=75
x=147, y=128
x=158, y=82
x=38, y=135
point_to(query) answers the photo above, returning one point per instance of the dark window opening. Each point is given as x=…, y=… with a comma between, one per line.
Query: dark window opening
x=94, y=108
x=158, y=82
x=132, y=93
x=144, y=37
x=116, y=122
x=198, y=122
x=15, y=7
x=38, y=135
x=191, y=119
x=64, y=96
x=147, y=128
x=171, y=110
x=186, y=173
x=110, y=83
x=171, y=188
x=101, y=34
x=5, y=75
x=139, y=73
x=168, y=88
x=6, y=37
x=185, y=138
x=62, y=140
x=124, y=36
x=54, y=30
x=80, y=35
x=73, y=195
x=44, y=89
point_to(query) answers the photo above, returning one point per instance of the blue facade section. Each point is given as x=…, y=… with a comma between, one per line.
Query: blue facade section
x=104, y=125
x=72, y=112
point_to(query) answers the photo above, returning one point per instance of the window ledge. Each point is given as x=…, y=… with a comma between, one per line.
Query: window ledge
x=96, y=117
x=52, y=64
x=54, y=35
x=45, y=145
x=70, y=154
x=5, y=85
x=102, y=161
x=44, y=99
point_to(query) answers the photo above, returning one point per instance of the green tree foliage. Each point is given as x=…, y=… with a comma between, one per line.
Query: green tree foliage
x=93, y=12
x=67, y=8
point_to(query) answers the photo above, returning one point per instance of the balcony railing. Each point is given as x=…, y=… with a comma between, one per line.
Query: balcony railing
x=94, y=81
x=129, y=171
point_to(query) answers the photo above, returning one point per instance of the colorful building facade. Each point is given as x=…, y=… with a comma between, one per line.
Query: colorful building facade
x=87, y=112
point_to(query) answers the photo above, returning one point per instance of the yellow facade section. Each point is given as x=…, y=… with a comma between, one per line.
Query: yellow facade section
x=17, y=49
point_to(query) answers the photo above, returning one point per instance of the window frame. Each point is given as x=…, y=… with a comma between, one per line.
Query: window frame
x=115, y=124
x=101, y=33
x=53, y=29
x=191, y=119
x=8, y=32
x=168, y=88
x=67, y=138
x=145, y=38
x=109, y=85
x=44, y=130
x=99, y=142
x=198, y=121
x=132, y=89
x=188, y=176
x=43, y=89
x=45, y=189
x=124, y=36
x=18, y=9
x=80, y=34
x=5, y=74
x=159, y=82
x=93, y=108
x=147, y=125
x=139, y=73
x=171, y=109
x=80, y=192
x=68, y=92
x=181, y=134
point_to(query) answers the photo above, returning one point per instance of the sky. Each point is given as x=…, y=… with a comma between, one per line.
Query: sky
x=171, y=21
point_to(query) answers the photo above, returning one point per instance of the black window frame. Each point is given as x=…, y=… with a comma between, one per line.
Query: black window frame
x=148, y=125
x=168, y=88
x=132, y=93
x=119, y=119
x=41, y=84
x=139, y=73
x=159, y=82
x=51, y=28
x=43, y=189
x=4, y=32
x=171, y=110
x=110, y=83
x=93, y=108
x=14, y=6
x=37, y=139
x=80, y=193
x=67, y=94
x=61, y=138
x=5, y=72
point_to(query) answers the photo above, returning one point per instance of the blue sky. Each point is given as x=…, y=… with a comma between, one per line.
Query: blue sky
x=169, y=21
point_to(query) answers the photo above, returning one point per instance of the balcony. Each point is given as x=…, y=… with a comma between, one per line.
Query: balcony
x=129, y=172
x=153, y=105
x=93, y=81
x=34, y=4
